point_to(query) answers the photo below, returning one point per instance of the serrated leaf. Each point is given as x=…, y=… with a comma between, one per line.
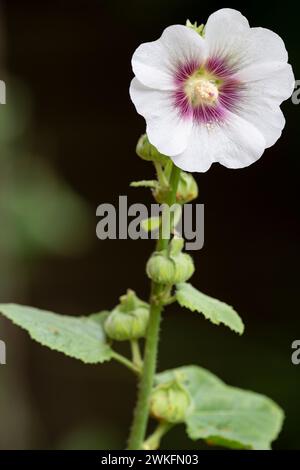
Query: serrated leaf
x=212, y=309
x=82, y=338
x=224, y=415
x=144, y=184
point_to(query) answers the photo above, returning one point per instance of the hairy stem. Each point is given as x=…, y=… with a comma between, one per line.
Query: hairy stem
x=126, y=362
x=136, y=353
x=153, y=441
x=141, y=413
x=160, y=175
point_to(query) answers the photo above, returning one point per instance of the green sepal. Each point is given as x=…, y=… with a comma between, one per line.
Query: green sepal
x=144, y=184
x=199, y=29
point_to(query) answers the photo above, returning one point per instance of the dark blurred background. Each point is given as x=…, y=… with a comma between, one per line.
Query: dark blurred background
x=67, y=139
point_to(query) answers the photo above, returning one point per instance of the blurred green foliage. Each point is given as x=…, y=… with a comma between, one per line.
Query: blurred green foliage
x=39, y=212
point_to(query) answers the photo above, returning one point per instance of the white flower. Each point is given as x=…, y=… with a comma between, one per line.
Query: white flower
x=214, y=98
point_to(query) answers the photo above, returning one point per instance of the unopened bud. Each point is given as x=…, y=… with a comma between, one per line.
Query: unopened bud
x=170, y=266
x=129, y=320
x=187, y=189
x=169, y=402
x=147, y=151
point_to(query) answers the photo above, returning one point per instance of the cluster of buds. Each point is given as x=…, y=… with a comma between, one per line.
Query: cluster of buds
x=128, y=320
x=170, y=266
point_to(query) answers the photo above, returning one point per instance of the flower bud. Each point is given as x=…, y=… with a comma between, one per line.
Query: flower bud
x=170, y=266
x=169, y=402
x=147, y=151
x=187, y=189
x=129, y=320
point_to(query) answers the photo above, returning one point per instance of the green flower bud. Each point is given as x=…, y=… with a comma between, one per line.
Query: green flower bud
x=147, y=151
x=129, y=320
x=187, y=189
x=170, y=266
x=169, y=402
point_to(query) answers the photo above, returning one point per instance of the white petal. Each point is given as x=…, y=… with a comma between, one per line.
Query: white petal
x=271, y=82
x=235, y=144
x=229, y=35
x=266, y=46
x=166, y=129
x=155, y=63
x=269, y=121
x=267, y=85
x=198, y=156
x=245, y=143
x=223, y=30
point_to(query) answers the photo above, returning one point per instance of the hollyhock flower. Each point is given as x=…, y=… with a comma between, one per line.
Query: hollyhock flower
x=214, y=96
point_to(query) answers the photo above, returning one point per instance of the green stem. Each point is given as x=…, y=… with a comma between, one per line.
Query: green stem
x=161, y=175
x=141, y=413
x=171, y=199
x=153, y=441
x=136, y=353
x=126, y=362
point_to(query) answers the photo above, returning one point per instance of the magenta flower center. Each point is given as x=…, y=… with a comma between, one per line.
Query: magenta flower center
x=206, y=92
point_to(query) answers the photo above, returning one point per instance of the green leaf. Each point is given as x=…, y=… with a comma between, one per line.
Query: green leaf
x=78, y=337
x=144, y=184
x=214, y=310
x=224, y=415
